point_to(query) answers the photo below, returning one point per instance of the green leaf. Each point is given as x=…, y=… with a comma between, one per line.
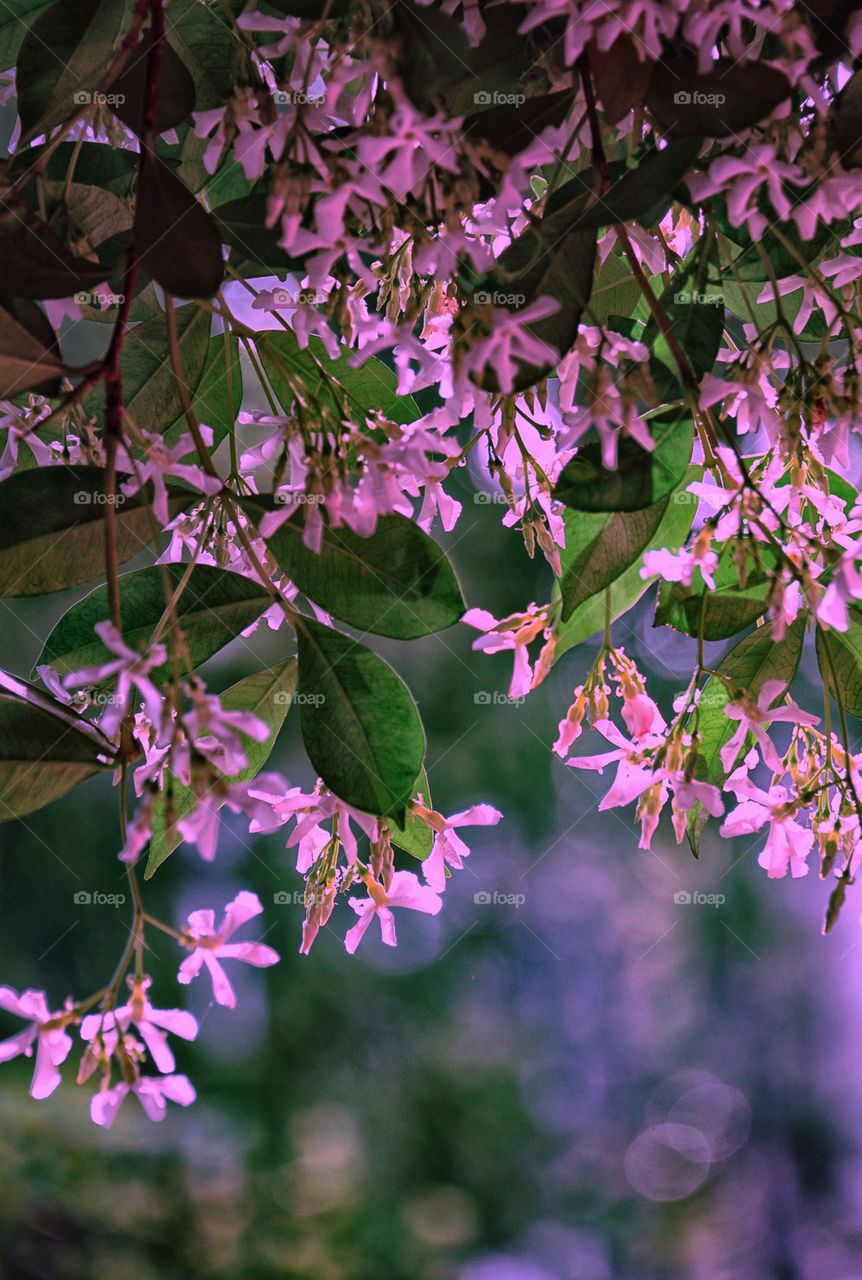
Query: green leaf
x=175, y=91
x=52, y=532
x=178, y=240
x=29, y=353
x=839, y=656
x=45, y=749
x=694, y=304
x=604, y=547
x=149, y=389
x=589, y=617
x=723, y=610
x=214, y=608
x=732, y=96
x=268, y=695
x=359, y=722
x=642, y=477
x=615, y=292
x=64, y=55
x=211, y=403
x=368, y=389
x=398, y=582
x=756, y=659
x=417, y=838
x=211, y=48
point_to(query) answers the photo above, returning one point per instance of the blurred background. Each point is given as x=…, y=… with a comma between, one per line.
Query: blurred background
x=577, y=1071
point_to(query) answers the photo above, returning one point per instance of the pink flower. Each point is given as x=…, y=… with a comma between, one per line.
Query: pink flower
x=53, y=1044
x=132, y=671
x=404, y=891
x=152, y=1024
x=752, y=718
x=162, y=461
x=152, y=1092
x=449, y=849
x=788, y=843
x=515, y=632
x=212, y=945
x=633, y=775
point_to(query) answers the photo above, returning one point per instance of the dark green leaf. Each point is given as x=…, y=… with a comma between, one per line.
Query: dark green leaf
x=29, y=354
x=642, y=192
x=839, y=656
x=52, y=533
x=36, y=263
x=63, y=59
x=179, y=241
x=242, y=224
x=511, y=127
x=847, y=122
x=756, y=659
x=175, y=92
x=45, y=749
x=149, y=389
x=214, y=608
x=628, y=588
x=14, y=25
x=605, y=546
x=620, y=76
x=398, y=582
x=266, y=694
x=642, y=477
x=359, y=722
x=694, y=304
x=731, y=97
